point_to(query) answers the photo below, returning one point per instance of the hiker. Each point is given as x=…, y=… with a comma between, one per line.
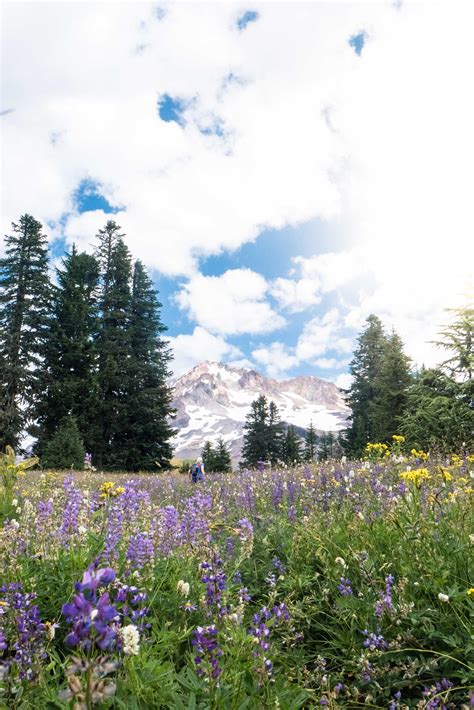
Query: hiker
x=196, y=471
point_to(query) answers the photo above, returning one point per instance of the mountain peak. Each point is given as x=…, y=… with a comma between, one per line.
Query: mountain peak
x=213, y=399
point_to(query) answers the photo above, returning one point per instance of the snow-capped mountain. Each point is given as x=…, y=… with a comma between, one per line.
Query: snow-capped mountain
x=213, y=399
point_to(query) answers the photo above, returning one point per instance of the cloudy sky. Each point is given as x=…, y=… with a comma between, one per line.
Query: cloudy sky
x=283, y=169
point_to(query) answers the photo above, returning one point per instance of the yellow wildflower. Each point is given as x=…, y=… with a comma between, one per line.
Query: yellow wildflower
x=470, y=592
x=417, y=476
x=398, y=439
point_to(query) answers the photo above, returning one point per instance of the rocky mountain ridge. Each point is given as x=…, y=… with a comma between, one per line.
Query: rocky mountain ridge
x=213, y=399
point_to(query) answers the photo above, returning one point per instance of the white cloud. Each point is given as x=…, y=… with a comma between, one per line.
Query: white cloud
x=381, y=144
x=321, y=335
x=230, y=304
x=294, y=295
x=189, y=350
x=276, y=359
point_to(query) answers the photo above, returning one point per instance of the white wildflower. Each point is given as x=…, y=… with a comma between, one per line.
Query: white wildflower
x=131, y=639
x=340, y=561
x=183, y=587
x=14, y=502
x=82, y=529
x=471, y=539
x=443, y=597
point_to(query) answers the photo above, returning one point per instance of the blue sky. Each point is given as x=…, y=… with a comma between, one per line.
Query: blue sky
x=271, y=164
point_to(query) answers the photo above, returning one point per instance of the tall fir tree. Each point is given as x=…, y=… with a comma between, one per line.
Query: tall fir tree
x=25, y=312
x=311, y=443
x=291, y=447
x=208, y=455
x=390, y=389
x=365, y=369
x=71, y=386
x=275, y=435
x=111, y=448
x=255, y=446
x=222, y=460
x=438, y=415
x=458, y=341
x=148, y=399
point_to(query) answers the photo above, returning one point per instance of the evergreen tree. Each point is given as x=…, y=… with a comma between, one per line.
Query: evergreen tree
x=255, y=445
x=311, y=443
x=390, y=389
x=292, y=447
x=111, y=448
x=438, y=416
x=148, y=399
x=327, y=446
x=222, y=462
x=458, y=340
x=275, y=435
x=65, y=450
x=25, y=306
x=208, y=456
x=71, y=380
x=365, y=369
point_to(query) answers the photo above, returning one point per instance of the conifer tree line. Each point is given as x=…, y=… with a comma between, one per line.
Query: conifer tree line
x=432, y=407
x=268, y=440
x=83, y=364
x=216, y=459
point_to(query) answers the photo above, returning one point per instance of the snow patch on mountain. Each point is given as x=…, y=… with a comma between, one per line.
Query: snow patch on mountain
x=213, y=399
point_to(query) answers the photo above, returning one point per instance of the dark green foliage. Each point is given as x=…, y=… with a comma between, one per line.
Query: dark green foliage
x=327, y=446
x=208, y=456
x=365, y=369
x=390, y=389
x=438, y=416
x=263, y=433
x=70, y=363
x=65, y=450
x=292, y=447
x=223, y=462
x=148, y=398
x=276, y=435
x=216, y=460
x=311, y=442
x=25, y=303
x=113, y=348
x=255, y=446
x=458, y=340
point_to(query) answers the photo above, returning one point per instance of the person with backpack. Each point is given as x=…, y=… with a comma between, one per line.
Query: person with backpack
x=196, y=472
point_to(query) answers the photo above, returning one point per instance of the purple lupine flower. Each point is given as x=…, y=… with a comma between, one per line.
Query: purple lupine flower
x=93, y=619
x=374, y=642
x=140, y=551
x=215, y=580
x=70, y=521
x=208, y=651
x=245, y=530
x=278, y=565
x=244, y=595
x=385, y=602
x=26, y=634
x=344, y=587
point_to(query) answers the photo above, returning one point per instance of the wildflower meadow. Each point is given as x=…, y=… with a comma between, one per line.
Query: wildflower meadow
x=344, y=585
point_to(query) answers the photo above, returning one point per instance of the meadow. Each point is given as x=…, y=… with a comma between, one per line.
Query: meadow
x=342, y=585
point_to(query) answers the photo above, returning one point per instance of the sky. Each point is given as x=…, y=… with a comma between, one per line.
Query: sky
x=282, y=169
